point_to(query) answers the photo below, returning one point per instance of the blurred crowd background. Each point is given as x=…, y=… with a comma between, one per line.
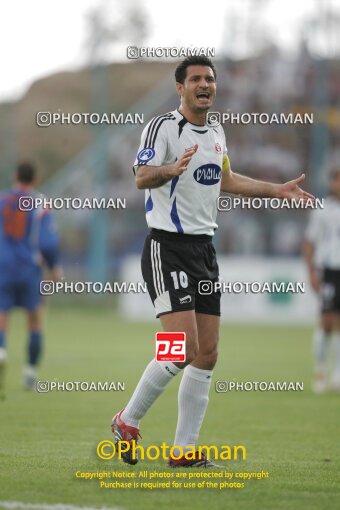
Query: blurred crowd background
x=255, y=74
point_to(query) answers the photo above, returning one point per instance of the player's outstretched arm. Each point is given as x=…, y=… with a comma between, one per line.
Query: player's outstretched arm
x=155, y=176
x=242, y=185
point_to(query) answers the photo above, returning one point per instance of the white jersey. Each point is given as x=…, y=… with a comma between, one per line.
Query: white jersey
x=188, y=203
x=323, y=231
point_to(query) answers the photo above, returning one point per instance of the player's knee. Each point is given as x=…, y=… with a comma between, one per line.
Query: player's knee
x=327, y=324
x=191, y=353
x=34, y=320
x=208, y=358
x=211, y=359
x=3, y=320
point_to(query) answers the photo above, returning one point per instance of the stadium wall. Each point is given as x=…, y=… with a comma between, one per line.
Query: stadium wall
x=259, y=307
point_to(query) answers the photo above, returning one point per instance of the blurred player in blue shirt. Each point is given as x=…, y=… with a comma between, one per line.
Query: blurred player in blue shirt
x=28, y=241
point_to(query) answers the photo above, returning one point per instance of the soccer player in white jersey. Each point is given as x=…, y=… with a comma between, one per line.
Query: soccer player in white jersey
x=322, y=254
x=183, y=166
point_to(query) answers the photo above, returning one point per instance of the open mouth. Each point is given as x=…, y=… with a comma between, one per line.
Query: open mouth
x=203, y=96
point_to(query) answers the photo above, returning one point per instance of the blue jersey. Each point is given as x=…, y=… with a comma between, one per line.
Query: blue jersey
x=28, y=239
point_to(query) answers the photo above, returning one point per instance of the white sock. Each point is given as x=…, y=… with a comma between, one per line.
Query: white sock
x=152, y=383
x=320, y=347
x=3, y=355
x=193, y=398
x=336, y=348
x=30, y=371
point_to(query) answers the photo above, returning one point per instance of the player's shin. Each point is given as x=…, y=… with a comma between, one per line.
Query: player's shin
x=336, y=370
x=33, y=356
x=320, y=349
x=34, y=348
x=3, y=361
x=193, y=398
x=152, y=383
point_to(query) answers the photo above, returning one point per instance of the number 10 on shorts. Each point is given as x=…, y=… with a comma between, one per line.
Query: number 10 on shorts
x=170, y=346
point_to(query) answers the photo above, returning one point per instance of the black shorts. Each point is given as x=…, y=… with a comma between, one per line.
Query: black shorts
x=172, y=267
x=330, y=291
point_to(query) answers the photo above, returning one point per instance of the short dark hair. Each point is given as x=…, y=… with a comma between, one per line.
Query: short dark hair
x=199, y=60
x=25, y=173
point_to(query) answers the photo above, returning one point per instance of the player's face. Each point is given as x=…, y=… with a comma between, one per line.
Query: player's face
x=335, y=184
x=198, y=91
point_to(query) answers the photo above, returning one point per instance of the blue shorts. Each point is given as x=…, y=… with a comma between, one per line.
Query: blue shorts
x=22, y=292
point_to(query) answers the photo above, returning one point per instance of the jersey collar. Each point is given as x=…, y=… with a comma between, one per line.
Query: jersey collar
x=191, y=123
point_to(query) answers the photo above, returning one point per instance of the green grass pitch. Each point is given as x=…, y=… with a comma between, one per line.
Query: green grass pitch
x=46, y=438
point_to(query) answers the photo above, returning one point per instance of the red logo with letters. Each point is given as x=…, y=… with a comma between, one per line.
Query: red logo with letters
x=218, y=148
x=170, y=346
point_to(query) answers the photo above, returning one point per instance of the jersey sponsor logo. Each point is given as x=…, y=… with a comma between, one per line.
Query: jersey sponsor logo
x=208, y=174
x=145, y=155
x=218, y=148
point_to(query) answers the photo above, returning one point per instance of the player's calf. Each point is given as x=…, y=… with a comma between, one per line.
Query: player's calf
x=3, y=363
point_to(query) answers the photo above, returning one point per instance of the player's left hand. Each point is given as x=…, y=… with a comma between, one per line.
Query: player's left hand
x=291, y=190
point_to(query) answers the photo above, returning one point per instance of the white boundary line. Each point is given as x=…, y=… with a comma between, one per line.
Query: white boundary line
x=17, y=505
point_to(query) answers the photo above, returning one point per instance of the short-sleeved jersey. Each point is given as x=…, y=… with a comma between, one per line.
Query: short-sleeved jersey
x=323, y=231
x=27, y=238
x=188, y=203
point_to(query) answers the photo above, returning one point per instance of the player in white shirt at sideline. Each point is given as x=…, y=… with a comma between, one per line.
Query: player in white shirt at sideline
x=183, y=166
x=322, y=255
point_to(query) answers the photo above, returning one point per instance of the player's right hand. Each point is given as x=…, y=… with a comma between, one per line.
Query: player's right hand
x=56, y=274
x=182, y=163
